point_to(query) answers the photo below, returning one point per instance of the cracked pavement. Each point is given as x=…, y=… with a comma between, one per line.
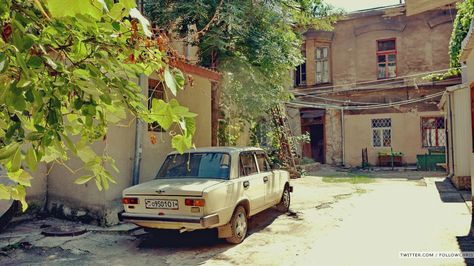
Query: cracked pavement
x=330, y=224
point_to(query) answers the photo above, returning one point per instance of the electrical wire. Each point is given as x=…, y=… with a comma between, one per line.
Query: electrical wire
x=395, y=80
x=348, y=101
x=404, y=102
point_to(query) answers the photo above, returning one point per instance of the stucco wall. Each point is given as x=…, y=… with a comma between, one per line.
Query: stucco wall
x=333, y=133
x=406, y=136
x=462, y=132
x=198, y=100
x=421, y=46
x=67, y=198
x=36, y=194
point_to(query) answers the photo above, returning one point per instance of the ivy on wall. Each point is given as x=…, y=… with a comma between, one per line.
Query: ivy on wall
x=460, y=29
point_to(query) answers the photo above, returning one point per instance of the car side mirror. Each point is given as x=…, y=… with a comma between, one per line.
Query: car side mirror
x=275, y=166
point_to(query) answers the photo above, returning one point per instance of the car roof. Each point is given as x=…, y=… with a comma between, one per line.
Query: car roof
x=227, y=149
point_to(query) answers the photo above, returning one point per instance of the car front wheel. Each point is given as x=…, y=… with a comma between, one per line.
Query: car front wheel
x=238, y=225
x=284, y=204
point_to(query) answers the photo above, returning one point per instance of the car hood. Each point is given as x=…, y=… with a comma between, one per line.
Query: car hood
x=175, y=187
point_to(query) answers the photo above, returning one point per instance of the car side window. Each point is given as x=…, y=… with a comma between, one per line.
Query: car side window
x=247, y=164
x=263, y=164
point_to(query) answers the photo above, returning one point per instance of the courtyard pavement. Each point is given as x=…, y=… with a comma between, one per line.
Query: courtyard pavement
x=350, y=221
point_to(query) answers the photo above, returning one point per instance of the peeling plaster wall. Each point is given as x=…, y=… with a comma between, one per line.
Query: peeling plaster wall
x=333, y=137
x=422, y=46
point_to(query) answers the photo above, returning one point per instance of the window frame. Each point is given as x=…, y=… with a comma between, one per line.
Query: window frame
x=266, y=162
x=437, y=130
x=322, y=60
x=386, y=54
x=298, y=71
x=200, y=152
x=381, y=129
x=254, y=161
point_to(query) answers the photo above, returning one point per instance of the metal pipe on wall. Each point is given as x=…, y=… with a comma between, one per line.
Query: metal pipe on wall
x=142, y=82
x=342, y=138
x=451, y=137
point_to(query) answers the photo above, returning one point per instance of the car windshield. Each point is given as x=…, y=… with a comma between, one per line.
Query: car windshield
x=212, y=165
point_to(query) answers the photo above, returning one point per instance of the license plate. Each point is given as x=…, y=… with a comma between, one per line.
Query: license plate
x=161, y=204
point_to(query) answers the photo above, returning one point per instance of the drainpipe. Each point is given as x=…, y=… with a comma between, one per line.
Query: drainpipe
x=342, y=137
x=451, y=147
x=138, y=139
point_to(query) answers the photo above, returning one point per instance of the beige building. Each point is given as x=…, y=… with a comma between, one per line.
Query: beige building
x=458, y=106
x=363, y=86
x=137, y=157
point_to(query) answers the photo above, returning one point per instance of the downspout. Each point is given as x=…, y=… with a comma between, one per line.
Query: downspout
x=451, y=147
x=342, y=137
x=138, y=139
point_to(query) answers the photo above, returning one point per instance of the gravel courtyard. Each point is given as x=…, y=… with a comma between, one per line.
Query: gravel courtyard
x=348, y=220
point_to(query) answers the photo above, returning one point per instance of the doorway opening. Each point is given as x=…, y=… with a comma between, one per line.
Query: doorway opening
x=312, y=123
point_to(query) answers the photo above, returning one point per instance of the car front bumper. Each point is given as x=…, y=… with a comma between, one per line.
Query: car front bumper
x=204, y=222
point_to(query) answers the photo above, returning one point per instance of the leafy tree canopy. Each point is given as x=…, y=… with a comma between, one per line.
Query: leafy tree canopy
x=255, y=44
x=68, y=71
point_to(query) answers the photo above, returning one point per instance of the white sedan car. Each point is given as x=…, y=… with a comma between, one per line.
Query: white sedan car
x=218, y=187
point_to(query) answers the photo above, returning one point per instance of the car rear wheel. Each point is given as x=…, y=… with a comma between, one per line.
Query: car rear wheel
x=238, y=225
x=284, y=204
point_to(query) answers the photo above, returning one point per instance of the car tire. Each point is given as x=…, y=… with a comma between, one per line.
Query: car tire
x=239, y=226
x=284, y=205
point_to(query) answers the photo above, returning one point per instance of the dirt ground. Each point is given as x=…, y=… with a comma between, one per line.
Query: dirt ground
x=333, y=222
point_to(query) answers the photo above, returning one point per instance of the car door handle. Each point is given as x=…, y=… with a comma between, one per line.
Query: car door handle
x=246, y=184
x=265, y=179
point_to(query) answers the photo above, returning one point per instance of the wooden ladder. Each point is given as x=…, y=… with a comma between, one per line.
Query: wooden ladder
x=287, y=152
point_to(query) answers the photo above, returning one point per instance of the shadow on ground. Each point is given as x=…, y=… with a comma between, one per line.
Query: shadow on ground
x=203, y=238
x=447, y=192
x=466, y=243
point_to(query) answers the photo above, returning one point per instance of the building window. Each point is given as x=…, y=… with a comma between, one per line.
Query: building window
x=433, y=132
x=386, y=59
x=382, y=132
x=300, y=72
x=156, y=90
x=322, y=65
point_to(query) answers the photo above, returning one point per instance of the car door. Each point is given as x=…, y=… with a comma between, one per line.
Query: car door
x=270, y=183
x=251, y=181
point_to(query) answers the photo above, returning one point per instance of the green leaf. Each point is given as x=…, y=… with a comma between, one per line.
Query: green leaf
x=86, y=154
x=16, y=161
x=181, y=143
x=190, y=126
x=5, y=192
x=170, y=81
x=83, y=179
x=179, y=78
x=63, y=8
x=162, y=113
x=35, y=62
x=129, y=4
x=31, y=160
x=69, y=144
x=21, y=62
x=21, y=177
x=106, y=98
x=3, y=62
x=8, y=151
x=118, y=11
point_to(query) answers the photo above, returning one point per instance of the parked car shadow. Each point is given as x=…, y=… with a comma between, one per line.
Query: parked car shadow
x=447, y=192
x=202, y=238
